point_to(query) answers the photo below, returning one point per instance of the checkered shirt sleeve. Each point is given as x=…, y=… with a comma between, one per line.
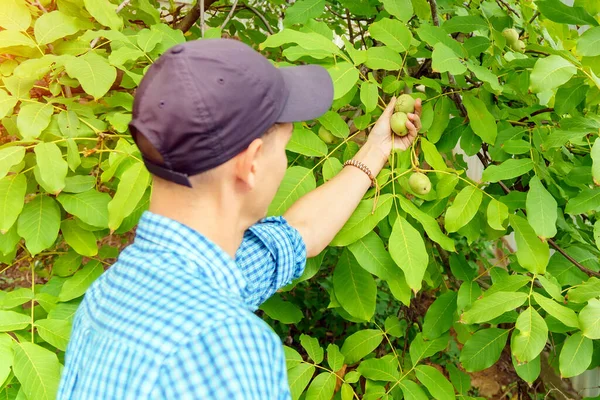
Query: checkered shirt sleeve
x=272, y=254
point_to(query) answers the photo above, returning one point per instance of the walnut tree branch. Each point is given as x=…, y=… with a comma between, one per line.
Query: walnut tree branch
x=192, y=16
x=230, y=13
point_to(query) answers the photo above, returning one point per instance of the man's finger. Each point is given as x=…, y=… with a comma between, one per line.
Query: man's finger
x=389, y=110
x=415, y=120
x=412, y=129
x=418, y=107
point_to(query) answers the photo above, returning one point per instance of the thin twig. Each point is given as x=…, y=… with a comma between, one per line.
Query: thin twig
x=573, y=261
x=533, y=114
x=508, y=7
x=262, y=18
x=40, y=6
x=230, y=13
x=350, y=30
x=123, y=4
x=434, y=13
x=535, y=15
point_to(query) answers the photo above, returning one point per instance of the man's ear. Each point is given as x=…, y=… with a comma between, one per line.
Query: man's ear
x=247, y=163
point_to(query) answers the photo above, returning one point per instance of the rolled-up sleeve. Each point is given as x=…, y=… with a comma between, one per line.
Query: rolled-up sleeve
x=271, y=255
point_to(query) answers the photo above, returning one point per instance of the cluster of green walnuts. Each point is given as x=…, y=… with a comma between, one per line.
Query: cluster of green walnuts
x=405, y=104
x=512, y=39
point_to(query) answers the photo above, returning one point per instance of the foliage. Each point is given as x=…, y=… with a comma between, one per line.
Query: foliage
x=420, y=280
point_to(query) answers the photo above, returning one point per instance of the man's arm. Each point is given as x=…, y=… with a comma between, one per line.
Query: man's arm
x=320, y=214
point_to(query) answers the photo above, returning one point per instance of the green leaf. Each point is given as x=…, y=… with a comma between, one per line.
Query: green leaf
x=463, y=209
x=595, y=154
x=33, y=118
x=54, y=331
x=283, y=311
x=123, y=55
x=529, y=342
x=541, y=209
x=305, y=142
x=401, y=9
x=78, y=184
x=147, y=39
x=335, y=358
x=465, y=24
x=556, y=11
x=52, y=167
x=589, y=319
x=361, y=343
x=66, y=264
x=369, y=95
x=53, y=26
x=530, y=371
x=331, y=167
x=483, y=349
x=584, y=292
x=298, y=378
x=37, y=369
x=497, y=213
x=13, y=321
x=420, y=349
x=303, y=10
x=588, y=44
x=532, y=253
x=576, y=355
x=380, y=369
x=587, y=200
x=446, y=60
x=131, y=188
x=15, y=298
x=292, y=357
x=104, y=12
x=440, y=122
x=10, y=156
x=7, y=103
x=408, y=251
x=308, y=41
x=322, y=387
x=354, y=287
x=550, y=72
x=311, y=345
x=297, y=181
x=431, y=226
x=493, y=306
x=412, y=391
x=371, y=254
x=558, y=138
x=480, y=119
x=14, y=38
x=394, y=34
x=93, y=72
x=39, y=223
x=440, y=316
x=362, y=220
x=335, y=124
x=558, y=311
x=90, y=206
x=82, y=241
x=432, y=155
x=77, y=285
x=344, y=76
x=569, y=96
x=383, y=58
x=509, y=169
x=468, y=293
x=12, y=196
x=14, y=15
x=435, y=382
x=460, y=379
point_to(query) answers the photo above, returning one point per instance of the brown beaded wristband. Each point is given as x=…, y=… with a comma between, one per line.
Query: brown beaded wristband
x=364, y=169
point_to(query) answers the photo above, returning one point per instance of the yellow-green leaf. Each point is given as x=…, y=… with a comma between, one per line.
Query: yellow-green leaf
x=53, y=26
x=94, y=73
x=104, y=12
x=131, y=188
x=39, y=223
x=33, y=118
x=82, y=241
x=463, y=209
x=12, y=196
x=408, y=251
x=37, y=369
x=541, y=209
x=532, y=253
x=52, y=166
x=531, y=337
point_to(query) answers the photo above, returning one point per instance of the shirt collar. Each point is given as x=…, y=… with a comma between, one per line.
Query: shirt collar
x=162, y=232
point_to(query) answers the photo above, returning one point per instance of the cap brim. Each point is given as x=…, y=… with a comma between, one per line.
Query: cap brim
x=310, y=93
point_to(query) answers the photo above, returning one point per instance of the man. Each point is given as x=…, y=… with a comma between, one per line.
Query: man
x=173, y=317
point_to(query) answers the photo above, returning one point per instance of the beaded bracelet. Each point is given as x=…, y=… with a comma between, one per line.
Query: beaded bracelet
x=374, y=183
x=364, y=169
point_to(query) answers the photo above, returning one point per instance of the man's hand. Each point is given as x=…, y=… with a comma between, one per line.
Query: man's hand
x=382, y=136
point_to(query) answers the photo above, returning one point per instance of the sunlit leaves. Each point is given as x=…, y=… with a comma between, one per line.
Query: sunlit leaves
x=493, y=306
x=37, y=369
x=301, y=11
x=446, y=60
x=363, y=220
x=408, y=251
x=14, y=15
x=308, y=41
x=420, y=348
x=78, y=283
x=483, y=349
x=589, y=319
x=93, y=72
x=497, y=213
x=509, y=169
x=104, y=12
x=532, y=253
x=551, y=72
x=304, y=141
x=361, y=343
x=531, y=337
x=435, y=382
x=541, y=209
x=401, y=9
x=90, y=206
x=81, y=240
x=463, y=209
x=299, y=377
x=480, y=119
x=392, y=33
x=558, y=311
x=576, y=355
x=354, y=287
x=52, y=168
x=39, y=223
x=383, y=58
x=129, y=192
x=12, y=196
x=440, y=315
x=559, y=12
x=34, y=118
x=343, y=75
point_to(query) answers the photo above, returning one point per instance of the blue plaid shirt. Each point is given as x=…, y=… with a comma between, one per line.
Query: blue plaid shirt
x=173, y=318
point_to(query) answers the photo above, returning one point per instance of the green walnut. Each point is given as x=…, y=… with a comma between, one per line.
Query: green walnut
x=398, y=123
x=405, y=103
x=511, y=35
x=519, y=46
x=419, y=183
x=326, y=136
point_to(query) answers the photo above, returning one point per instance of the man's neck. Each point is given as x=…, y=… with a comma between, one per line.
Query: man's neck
x=214, y=218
